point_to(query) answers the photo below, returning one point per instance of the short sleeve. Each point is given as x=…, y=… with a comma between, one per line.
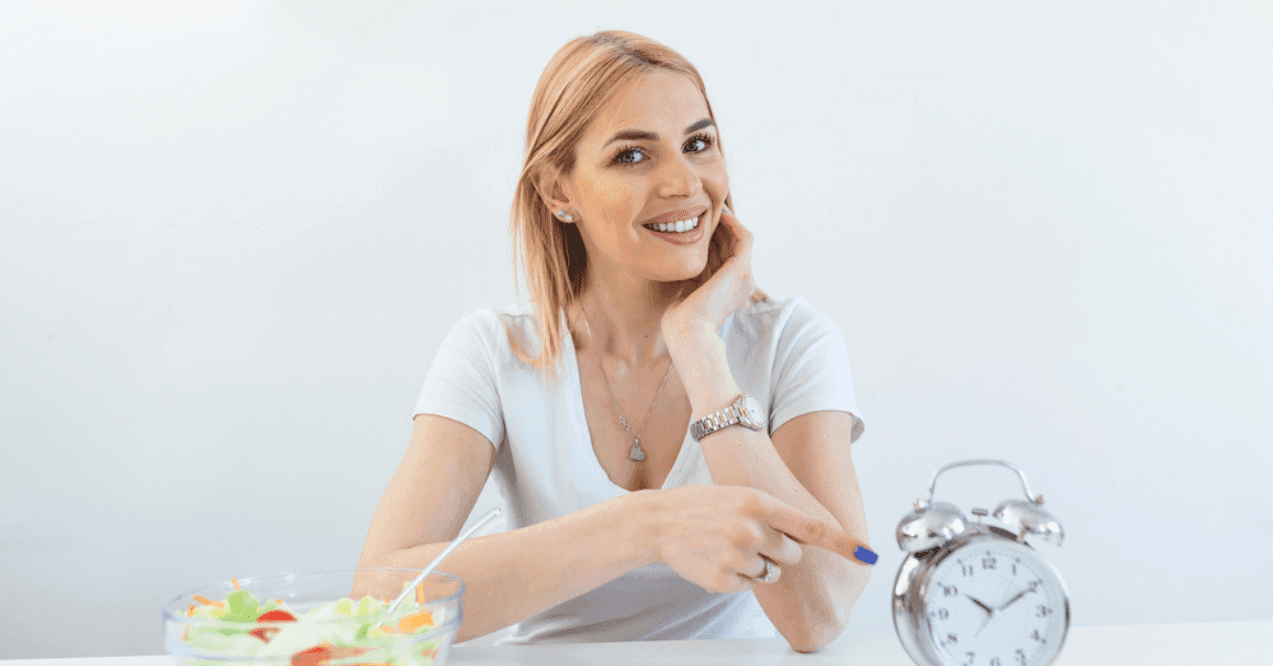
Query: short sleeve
x=811, y=370
x=461, y=384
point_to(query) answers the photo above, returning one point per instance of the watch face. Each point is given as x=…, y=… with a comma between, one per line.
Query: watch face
x=753, y=413
x=995, y=602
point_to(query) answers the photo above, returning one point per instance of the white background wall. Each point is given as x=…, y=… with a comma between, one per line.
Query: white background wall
x=233, y=235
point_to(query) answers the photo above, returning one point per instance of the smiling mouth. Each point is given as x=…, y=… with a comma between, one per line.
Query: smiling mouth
x=678, y=227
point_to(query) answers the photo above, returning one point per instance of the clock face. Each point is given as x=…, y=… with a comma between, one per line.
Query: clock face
x=995, y=602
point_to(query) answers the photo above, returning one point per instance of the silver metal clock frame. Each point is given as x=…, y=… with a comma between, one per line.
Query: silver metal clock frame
x=934, y=531
x=910, y=616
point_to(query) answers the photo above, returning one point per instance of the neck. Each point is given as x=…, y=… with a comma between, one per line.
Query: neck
x=625, y=318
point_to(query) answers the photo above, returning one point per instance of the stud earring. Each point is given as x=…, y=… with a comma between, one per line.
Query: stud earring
x=564, y=216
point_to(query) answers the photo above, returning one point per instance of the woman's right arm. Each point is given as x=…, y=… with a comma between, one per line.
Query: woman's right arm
x=508, y=576
x=713, y=536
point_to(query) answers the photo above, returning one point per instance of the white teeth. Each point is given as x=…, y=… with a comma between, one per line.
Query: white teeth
x=680, y=226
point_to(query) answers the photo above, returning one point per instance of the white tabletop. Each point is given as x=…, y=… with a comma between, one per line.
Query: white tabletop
x=1227, y=643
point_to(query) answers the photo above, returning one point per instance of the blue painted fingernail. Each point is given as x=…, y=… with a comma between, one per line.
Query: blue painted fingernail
x=865, y=554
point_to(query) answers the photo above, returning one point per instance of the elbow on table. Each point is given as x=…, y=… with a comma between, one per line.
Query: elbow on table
x=820, y=634
x=814, y=634
x=817, y=638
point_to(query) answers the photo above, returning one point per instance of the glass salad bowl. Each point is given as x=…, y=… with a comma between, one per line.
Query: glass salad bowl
x=334, y=617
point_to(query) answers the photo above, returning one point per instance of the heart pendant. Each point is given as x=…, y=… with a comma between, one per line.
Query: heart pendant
x=635, y=453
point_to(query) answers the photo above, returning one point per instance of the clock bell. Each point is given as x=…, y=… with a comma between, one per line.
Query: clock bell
x=931, y=524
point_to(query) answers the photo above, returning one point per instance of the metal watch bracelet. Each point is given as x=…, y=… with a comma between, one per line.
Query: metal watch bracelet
x=715, y=421
x=745, y=411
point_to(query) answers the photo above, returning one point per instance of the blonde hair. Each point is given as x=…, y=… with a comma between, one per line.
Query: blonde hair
x=575, y=86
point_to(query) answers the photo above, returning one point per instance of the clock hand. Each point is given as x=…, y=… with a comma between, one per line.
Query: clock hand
x=984, y=607
x=983, y=626
x=1013, y=600
x=990, y=613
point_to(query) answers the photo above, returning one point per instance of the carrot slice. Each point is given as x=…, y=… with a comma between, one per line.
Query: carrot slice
x=414, y=621
x=208, y=602
x=186, y=632
x=419, y=593
x=236, y=582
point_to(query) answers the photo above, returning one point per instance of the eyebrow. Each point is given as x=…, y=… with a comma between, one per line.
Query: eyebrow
x=640, y=135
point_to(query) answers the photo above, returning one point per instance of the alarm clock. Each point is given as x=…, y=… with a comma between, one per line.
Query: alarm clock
x=972, y=593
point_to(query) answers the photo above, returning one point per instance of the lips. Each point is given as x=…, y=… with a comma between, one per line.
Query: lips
x=673, y=216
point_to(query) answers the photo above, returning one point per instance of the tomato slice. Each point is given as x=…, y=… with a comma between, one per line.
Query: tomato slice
x=320, y=653
x=264, y=633
x=312, y=657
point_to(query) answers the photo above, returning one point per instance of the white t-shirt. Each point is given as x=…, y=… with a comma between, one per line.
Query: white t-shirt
x=786, y=354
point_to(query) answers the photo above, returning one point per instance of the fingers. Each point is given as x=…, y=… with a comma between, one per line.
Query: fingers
x=740, y=241
x=783, y=550
x=742, y=233
x=804, y=529
x=735, y=248
x=768, y=572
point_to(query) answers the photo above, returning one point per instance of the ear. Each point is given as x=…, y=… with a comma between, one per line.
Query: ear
x=552, y=192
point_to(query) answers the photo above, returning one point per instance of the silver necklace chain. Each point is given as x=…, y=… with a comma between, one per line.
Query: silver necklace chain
x=635, y=453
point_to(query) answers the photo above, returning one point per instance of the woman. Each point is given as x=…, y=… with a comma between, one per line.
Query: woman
x=636, y=514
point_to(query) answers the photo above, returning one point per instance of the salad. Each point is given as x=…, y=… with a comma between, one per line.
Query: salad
x=346, y=631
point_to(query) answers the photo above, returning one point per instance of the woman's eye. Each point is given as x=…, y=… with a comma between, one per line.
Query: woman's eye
x=704, y=141
x=633, y=153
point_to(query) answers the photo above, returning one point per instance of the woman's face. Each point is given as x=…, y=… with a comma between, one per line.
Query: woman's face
x=650, y=156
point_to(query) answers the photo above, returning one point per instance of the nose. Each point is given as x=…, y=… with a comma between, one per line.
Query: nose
x=679, y=178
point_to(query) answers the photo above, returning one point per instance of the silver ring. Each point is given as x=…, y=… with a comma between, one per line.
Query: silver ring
x=769, y=574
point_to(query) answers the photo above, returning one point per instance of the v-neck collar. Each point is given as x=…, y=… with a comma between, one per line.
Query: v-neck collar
x=575, y=387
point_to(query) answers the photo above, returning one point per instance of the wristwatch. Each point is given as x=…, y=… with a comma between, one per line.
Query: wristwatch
x=745, y=411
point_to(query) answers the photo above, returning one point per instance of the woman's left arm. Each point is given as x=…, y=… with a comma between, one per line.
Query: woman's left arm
x=807, y=464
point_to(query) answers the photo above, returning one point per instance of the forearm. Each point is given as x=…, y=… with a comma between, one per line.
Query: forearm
x=810, y=603
x=514, y=575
